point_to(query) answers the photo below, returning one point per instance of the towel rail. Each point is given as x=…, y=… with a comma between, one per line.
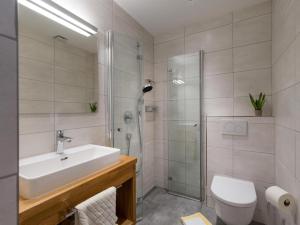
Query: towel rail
x=73, y=211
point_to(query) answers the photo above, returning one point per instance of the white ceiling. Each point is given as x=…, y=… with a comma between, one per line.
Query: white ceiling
x=160, y=16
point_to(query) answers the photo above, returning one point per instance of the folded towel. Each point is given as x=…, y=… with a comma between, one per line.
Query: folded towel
x=98, y=210
x=195, y=219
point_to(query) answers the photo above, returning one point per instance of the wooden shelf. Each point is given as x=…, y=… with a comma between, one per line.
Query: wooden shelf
x=51, y=208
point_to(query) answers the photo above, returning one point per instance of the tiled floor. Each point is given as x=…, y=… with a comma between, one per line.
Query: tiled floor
x=160, y=208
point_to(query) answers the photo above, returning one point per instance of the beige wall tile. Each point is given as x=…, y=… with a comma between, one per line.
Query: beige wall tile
x=36, y=50
x=160, y=91
x=211, y=40
x=254, y=166
x=298, y=155
x=35, y=123
x=283, y=26
x=160, y=72
x=285, y=146
x=33, y=69
x=163, y=51
x=36, y=143
x=247, y=82
x=284, y=105
x=35, y=90
x=218, y=86
x=32, y=106
x=252, y=11
x=83, y=136
x=297, y=49
x=257, y=29
x=218, y=62
x=209, y=25
x=65, y=93
x=160, y=130
x=257, y=56
x=218, y=106
x=215, y=138
x=219, y=160
x=284, y=70
x=285, y=178
x=176, y=34
x=260, y=138
x=297, y=107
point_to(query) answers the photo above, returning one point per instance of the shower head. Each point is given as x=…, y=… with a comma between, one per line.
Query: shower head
x=148, y=86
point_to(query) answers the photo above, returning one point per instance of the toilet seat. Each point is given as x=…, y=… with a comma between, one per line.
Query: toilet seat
x=234, y=192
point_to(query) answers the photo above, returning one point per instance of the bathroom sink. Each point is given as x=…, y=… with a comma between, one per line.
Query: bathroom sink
x=41, y=174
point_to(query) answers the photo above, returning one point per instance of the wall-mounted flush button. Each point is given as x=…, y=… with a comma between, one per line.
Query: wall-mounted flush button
x=235, y=127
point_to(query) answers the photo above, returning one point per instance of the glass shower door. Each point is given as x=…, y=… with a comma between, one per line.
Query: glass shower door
x=126, y=78
x=183, y=119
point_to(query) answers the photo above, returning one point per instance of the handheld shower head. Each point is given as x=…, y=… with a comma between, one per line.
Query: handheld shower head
x=148, y=86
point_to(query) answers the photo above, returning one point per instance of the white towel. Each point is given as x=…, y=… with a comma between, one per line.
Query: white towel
x=98, y=210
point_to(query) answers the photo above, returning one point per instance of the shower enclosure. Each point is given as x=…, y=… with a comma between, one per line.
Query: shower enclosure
x=184, y=126
x=125, y=100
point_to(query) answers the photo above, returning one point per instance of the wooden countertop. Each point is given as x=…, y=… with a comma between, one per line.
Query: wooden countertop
x=30, y=206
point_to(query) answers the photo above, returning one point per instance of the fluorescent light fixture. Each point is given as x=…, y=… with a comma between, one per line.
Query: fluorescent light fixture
x=60, y=15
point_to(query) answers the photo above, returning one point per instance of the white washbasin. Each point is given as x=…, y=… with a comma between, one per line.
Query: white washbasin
x=43, y=173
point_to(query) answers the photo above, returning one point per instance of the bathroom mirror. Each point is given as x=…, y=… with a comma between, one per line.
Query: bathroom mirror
x=58, y=67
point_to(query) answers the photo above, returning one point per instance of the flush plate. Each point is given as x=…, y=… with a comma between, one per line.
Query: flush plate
x=235, y=127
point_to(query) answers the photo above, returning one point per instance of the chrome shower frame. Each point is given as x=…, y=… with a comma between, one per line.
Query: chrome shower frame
x=202, y=138
x=110, y=128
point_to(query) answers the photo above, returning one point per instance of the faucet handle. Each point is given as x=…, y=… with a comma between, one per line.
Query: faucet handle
x=59, y=133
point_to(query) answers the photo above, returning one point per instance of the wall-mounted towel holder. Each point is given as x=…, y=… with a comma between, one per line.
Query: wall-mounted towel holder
x=74, y=211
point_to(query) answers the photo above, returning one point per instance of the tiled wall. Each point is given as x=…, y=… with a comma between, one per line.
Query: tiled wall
x=37, y=132
x=8, y=113
x=43, y=76
x=237, y=54
x=237, y=62
x=286, y=96
x=249, y=157
x=124, y=24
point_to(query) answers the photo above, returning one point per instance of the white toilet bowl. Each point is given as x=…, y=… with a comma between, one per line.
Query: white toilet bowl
x=235, y=200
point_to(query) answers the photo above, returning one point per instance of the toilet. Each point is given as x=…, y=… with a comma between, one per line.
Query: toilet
x=235, y=200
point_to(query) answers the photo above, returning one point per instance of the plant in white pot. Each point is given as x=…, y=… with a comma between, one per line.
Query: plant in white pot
x=258, y=103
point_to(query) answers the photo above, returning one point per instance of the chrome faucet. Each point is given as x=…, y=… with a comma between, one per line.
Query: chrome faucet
x=60, y=139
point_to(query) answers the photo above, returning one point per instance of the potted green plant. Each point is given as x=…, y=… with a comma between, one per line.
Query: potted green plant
x=258, y=103
x=93, y=107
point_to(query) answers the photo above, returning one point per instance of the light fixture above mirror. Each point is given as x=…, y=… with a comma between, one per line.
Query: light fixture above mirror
x=60, y=15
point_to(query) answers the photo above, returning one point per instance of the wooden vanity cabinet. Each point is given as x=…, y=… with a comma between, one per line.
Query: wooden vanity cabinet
x=52, y=208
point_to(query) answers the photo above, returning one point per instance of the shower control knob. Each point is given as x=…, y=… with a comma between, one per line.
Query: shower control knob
x=119, y=129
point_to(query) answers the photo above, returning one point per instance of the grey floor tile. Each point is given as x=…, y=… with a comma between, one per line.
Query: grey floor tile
x=161, y=208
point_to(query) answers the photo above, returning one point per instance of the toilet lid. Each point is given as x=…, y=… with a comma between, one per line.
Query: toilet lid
x=233, y=191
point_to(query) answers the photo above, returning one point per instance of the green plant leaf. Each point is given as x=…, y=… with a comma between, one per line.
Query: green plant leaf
x=258, y=103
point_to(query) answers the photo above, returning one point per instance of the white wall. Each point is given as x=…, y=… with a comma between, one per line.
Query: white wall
x=38, y=132
x=286, y=95
x=238, y=53
x=237, y=62
x=249, y=157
